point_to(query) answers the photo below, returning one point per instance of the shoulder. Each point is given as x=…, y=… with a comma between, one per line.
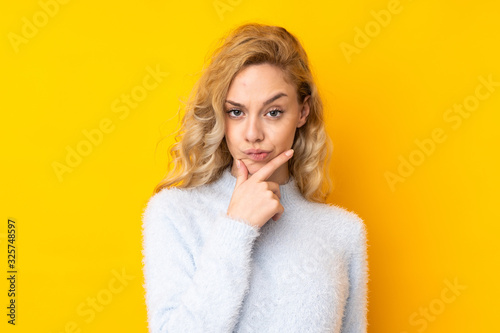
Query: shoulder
x=175, y=197
x=344, y=224
x=167, y=218
x=182, y=206
x=169, y=204
x=165, y=199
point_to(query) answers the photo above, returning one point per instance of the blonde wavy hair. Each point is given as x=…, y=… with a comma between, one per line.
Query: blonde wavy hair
x=200, y=154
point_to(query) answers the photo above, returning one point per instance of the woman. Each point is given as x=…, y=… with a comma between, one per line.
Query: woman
x=237, y=237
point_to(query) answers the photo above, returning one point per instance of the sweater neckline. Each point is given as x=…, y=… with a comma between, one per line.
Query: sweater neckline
x=290, y=192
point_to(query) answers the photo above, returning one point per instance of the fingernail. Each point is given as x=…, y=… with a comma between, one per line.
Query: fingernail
x=289, y=153
x=238, y=163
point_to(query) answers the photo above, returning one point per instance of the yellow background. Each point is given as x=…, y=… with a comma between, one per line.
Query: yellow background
x=77, y=231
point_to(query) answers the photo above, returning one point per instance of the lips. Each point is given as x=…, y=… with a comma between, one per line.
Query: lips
x=257, y=154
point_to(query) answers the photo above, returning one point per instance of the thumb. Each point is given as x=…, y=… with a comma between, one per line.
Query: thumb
x=242, y=174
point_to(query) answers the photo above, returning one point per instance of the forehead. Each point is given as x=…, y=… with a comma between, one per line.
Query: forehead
x=259, y=80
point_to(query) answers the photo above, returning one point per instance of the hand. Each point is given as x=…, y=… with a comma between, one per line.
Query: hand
x=254, y=199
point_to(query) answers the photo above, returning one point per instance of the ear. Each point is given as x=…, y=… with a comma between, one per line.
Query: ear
x=304, y=112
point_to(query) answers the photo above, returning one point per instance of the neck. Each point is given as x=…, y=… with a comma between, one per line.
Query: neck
x=290, y=193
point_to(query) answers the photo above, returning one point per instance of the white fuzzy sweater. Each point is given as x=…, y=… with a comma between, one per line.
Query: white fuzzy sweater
x=205, y=272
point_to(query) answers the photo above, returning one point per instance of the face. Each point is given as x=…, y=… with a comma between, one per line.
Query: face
x=261, y=116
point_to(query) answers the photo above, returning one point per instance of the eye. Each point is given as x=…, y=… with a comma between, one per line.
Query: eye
x=234, y=113
x=275, y=113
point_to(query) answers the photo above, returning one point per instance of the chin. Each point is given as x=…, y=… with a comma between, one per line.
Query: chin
x=253, y=167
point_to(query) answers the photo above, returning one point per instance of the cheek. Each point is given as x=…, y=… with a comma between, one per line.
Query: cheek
x=291, y=137
x=227, y=131
x=230, y=133
x=285, y=137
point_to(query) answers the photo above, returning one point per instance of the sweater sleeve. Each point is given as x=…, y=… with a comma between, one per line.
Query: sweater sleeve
x=194, y=291
x=355, y=315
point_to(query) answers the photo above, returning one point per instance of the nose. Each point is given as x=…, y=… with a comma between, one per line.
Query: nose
x=253, y=130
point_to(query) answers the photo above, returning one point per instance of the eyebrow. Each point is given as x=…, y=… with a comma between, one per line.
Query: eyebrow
x=269, y=101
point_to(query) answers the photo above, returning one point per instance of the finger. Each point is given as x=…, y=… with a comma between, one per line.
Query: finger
x=242, y=174
x=275, y=188
x=277, y=216
x=267, y=170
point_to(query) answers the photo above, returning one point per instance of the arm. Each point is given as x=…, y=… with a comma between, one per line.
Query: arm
x=355, y=313
x=182, y=296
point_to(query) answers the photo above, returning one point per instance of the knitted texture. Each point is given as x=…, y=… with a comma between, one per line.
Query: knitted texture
x=207, y=272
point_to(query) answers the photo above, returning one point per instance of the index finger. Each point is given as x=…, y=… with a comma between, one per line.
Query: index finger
x=267, y=170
